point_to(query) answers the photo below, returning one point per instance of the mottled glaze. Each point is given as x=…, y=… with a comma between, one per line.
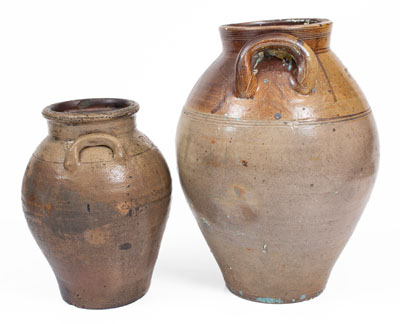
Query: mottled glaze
x=277, y=152
x=96, y=195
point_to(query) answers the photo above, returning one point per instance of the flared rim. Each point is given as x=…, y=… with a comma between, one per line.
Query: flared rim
x=289, y=24
x=90, y=110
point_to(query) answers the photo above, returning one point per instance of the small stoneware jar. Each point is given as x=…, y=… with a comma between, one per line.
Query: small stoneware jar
x=96, y=195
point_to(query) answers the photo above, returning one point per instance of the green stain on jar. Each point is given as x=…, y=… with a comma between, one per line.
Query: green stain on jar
x=269, y=300
x=205, y=222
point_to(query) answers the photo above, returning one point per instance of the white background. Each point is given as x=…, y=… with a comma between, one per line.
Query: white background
x=153, y=52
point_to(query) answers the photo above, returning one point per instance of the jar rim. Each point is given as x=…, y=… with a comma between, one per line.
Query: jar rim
x=281, y=24
x=90, y=110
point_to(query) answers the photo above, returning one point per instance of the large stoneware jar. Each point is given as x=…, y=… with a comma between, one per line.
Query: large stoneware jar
x=96, y=194
x=277, y=152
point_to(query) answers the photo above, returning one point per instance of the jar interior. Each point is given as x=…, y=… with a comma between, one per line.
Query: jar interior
x=91, y=105
x=280, y=22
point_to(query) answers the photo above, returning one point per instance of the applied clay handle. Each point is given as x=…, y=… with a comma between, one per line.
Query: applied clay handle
x=303, y=80
x=72, y=158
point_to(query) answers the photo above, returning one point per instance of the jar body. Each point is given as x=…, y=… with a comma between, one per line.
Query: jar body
x=100, y=223
x=277, y=181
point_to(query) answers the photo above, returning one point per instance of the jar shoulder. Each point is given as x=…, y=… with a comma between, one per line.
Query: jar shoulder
x=53, y=149
x=141, y=170
x=142, y=178
x=335, y=94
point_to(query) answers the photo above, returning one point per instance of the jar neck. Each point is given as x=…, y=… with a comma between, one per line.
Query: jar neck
x=119, y=127
x=315, y=32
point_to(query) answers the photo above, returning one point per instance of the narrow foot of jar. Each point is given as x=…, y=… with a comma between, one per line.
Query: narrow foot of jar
x=113, y=298
x=104, y=305
x=271, y=300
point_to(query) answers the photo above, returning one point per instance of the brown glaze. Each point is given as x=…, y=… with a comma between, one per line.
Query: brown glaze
x=277, y=152
x=96, y=194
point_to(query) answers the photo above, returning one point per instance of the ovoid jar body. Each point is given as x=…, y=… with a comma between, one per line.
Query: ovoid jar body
x=277, y=152
x=96, y=195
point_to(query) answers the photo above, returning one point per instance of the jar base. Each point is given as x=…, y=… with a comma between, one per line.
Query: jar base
x=83, y=305
x=87, y=298
x=270, y=300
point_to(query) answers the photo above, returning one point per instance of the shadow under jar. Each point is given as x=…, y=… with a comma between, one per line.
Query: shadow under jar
x=277, y=152
x=96, y=195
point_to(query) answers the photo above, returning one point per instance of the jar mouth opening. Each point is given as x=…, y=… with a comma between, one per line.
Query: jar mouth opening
x=292, y=23
x=90, y=110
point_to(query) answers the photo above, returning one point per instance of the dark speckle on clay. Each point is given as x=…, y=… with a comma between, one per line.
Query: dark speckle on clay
x=125, y=246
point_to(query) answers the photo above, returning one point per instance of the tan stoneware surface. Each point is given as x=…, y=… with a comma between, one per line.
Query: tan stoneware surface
x=96, y=195
x=277, y=151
